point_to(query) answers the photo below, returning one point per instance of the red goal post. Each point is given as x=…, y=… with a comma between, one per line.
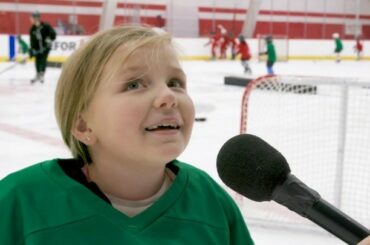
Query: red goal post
x=322, y=127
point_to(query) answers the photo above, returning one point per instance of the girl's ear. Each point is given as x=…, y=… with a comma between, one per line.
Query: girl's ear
x=82, y=132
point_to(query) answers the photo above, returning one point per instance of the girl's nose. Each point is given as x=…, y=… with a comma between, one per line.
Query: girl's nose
x=166, y=98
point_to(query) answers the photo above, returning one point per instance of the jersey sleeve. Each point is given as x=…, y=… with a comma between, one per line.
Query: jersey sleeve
x=10, y=220
x=51, y=32
x=239, y=233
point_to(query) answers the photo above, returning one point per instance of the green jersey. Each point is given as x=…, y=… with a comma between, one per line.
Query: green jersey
x=23, y=47
x=338, y=45
x=43, y=205
x=271, y=54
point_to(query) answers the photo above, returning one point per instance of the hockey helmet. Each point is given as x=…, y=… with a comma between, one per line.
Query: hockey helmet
x=268, y=38
x=335, y=35
x=35, y=14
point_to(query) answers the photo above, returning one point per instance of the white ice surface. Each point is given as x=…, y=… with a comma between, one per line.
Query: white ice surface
x=28, y=132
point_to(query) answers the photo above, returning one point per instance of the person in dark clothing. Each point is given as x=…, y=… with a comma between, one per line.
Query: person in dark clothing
x=41, y=38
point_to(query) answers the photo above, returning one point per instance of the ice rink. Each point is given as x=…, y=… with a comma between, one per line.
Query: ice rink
x=29, y=134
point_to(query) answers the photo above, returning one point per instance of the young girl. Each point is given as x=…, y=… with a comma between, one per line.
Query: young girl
x=123, y=109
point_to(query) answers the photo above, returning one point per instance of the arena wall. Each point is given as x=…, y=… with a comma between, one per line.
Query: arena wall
x=299, y=19
x=195, y=49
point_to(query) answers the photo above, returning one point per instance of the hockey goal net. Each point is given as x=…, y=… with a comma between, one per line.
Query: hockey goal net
x=322, y=126
x=281, y=43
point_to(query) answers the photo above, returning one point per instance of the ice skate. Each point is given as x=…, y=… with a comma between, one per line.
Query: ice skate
x=34, y=79
x=248, y=71
x=39, y=78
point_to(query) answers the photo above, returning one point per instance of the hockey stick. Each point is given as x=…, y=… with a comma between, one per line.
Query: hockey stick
x=48, y=46
x=13, y=65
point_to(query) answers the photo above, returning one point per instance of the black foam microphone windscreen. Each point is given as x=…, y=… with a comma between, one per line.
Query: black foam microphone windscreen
x=256, y=170
x=251, y=167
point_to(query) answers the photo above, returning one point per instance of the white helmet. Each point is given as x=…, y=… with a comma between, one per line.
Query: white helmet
x=335, y=35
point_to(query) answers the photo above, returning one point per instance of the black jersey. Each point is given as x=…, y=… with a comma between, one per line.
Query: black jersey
x=41, y=37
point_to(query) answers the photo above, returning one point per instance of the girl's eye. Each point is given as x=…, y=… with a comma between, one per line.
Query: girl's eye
x=135, y=84
x=176, y=83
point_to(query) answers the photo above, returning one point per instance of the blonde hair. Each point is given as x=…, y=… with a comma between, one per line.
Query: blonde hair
x=82, y=72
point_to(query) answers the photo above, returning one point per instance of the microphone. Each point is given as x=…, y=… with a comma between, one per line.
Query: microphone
x=253, y=168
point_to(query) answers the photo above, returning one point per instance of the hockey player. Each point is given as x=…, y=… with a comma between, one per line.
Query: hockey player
x=271, y=54
x=22, y=55
x=41, y=38
x=224, y=40
x=124, y=110
x=23, y=49
x=245, y=56
x=233, y=45
x=359, y=47
x=338, y=46
x=214, y=42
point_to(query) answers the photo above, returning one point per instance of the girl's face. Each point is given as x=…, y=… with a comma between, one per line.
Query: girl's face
x=141, y=114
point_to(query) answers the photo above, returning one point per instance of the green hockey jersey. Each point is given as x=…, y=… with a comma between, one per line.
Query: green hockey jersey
x=42, y=205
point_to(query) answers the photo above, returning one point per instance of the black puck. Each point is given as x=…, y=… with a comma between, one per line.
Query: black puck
x=200, y=119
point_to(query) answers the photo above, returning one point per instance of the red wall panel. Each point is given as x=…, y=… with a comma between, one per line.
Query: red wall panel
x=312, y=29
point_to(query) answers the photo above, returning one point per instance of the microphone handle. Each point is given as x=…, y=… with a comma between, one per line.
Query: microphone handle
x=336, y=222
x=298, y=197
